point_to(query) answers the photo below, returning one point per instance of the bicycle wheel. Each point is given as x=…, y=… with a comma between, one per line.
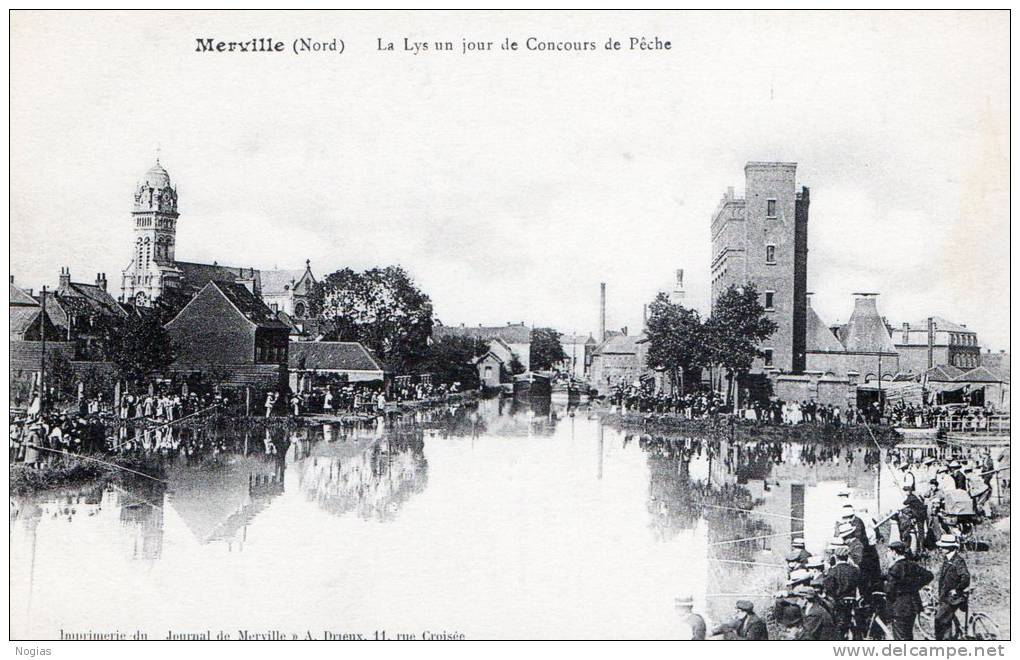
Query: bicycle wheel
x=982, y=627
x=924, y=625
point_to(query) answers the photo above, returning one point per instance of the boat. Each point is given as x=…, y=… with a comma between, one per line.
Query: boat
x=533, y=384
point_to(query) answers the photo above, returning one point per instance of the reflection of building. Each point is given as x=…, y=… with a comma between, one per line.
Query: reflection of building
x=218, y=501
x=372, y=481
x=761, y=239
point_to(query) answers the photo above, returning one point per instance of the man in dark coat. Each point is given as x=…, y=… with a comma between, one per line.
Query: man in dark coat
x=959, y=478
x=842, y=581
x=954, y=578
x=747, y=626
x=817, y=623
x=904, y=580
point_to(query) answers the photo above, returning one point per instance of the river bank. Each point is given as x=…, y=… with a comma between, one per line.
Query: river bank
x=726, y=427
x=62, y=470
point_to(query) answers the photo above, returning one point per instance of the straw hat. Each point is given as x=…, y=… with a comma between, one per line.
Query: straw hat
x=948, y=541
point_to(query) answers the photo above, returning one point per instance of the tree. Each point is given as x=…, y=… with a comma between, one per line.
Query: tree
x=139, y=346
x=515, y=367
x=60, y=377
x=546, y=349
x=737, y=325
x=676, y=341
x=381, y=308
x=451, y=359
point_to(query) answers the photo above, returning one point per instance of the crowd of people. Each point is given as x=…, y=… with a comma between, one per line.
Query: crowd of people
x=844, y=593
x=369, y=398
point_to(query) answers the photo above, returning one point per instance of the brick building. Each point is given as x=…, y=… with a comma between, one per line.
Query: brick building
x=761, y=239
x=936, y=341
x=225, y=327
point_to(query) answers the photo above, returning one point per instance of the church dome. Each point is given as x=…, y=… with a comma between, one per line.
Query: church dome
x=154, y=192
x=156, y=177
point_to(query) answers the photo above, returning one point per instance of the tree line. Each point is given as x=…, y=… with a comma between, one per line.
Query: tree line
x=683, y=345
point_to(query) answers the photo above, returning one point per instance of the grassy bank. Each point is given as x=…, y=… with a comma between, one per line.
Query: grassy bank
x=723, y=426
x=62, y=471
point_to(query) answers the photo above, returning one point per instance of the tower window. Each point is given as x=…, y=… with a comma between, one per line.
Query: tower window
x=770, y=299
x=770, y=254
x=768, y=356
x=770, y=208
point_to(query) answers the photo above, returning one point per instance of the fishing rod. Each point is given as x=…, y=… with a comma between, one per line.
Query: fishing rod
x=747, y=563
x=165, y=424
x=89, y=458
x=759, y=513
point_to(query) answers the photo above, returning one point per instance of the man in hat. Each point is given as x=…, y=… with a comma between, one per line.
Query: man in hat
x=959, y=478
x=793, y=560
x=954, y=578
x=792, y=621
x=905, y=579
x=746, y=625
x=843, y=580
x=694, y=623
x=800, y=548
x=856, y=548
x=817, y=623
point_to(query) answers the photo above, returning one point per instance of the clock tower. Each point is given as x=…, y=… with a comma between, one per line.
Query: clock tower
x=152, y=268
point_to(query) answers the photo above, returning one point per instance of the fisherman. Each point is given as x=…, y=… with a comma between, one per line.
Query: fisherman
x=954, y=578
x=905, y=579
x=746, y=625
x=693, y=622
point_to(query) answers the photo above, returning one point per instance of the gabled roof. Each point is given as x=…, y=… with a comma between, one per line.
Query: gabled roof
x=278, y=282
x=979, y=375
x=20, y=297
x=619, y=345
x=941, y=323
x=819, y=337
x=95, y=297
x=24, y=317
x=943, y=373
x=196, y=276
x=577, y=339
x=335, y=355
x=249, y=305
x=517, y=333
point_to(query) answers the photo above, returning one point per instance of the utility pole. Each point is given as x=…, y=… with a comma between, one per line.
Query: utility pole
x=42, y=358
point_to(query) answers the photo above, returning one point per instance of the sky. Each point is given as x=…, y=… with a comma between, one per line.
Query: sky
x=510, y=184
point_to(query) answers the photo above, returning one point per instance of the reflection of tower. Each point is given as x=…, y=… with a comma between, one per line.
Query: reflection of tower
x=602, y=439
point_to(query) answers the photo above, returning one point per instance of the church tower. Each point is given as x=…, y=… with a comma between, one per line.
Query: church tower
x=152, y=268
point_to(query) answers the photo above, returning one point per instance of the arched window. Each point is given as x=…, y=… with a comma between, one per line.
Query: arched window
x=299, y=309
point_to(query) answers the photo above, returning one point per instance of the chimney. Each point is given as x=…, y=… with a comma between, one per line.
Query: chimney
x=101, y=281
x=931, y=342
x=602, y=313
x=65, y=277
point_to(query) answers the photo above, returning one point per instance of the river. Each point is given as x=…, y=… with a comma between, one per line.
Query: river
x=495, y=521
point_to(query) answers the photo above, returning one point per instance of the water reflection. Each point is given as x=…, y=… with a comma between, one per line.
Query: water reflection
x=505, y=519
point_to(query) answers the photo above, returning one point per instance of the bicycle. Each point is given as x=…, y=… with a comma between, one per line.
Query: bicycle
x=977, y=626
